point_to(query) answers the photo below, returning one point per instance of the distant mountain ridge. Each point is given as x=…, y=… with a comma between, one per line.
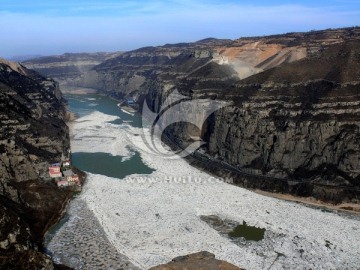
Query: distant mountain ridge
x=69, y=66
x=21, y=58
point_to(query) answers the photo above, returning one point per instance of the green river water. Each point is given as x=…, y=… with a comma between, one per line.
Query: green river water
x=104, y=163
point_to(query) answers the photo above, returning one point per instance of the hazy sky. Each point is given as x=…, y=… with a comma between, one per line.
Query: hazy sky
x=55, y=27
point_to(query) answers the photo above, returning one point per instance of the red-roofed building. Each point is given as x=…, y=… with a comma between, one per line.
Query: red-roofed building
x=62, y=183
x=54, y=171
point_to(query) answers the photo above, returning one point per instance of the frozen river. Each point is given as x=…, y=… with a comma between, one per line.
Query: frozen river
x=149, y=209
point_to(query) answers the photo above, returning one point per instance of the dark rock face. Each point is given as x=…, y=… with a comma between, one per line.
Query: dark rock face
x=201, y=260
x=302, y=128
x=33, y=134
x=28, y=259
x=293, y=123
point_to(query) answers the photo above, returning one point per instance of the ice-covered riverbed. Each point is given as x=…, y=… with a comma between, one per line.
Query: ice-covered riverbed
x=153, y=218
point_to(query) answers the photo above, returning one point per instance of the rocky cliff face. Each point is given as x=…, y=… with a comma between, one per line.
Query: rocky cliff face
x=297, y=124
x=292, y=123
x=33, y=134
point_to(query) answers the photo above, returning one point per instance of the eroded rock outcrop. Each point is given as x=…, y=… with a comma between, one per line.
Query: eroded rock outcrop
x=33, y=134
x=197, y=261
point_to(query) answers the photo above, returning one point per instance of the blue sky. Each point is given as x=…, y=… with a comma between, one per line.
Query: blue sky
x=55, y=27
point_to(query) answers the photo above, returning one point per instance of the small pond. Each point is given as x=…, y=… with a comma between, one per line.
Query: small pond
x=248, y=232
